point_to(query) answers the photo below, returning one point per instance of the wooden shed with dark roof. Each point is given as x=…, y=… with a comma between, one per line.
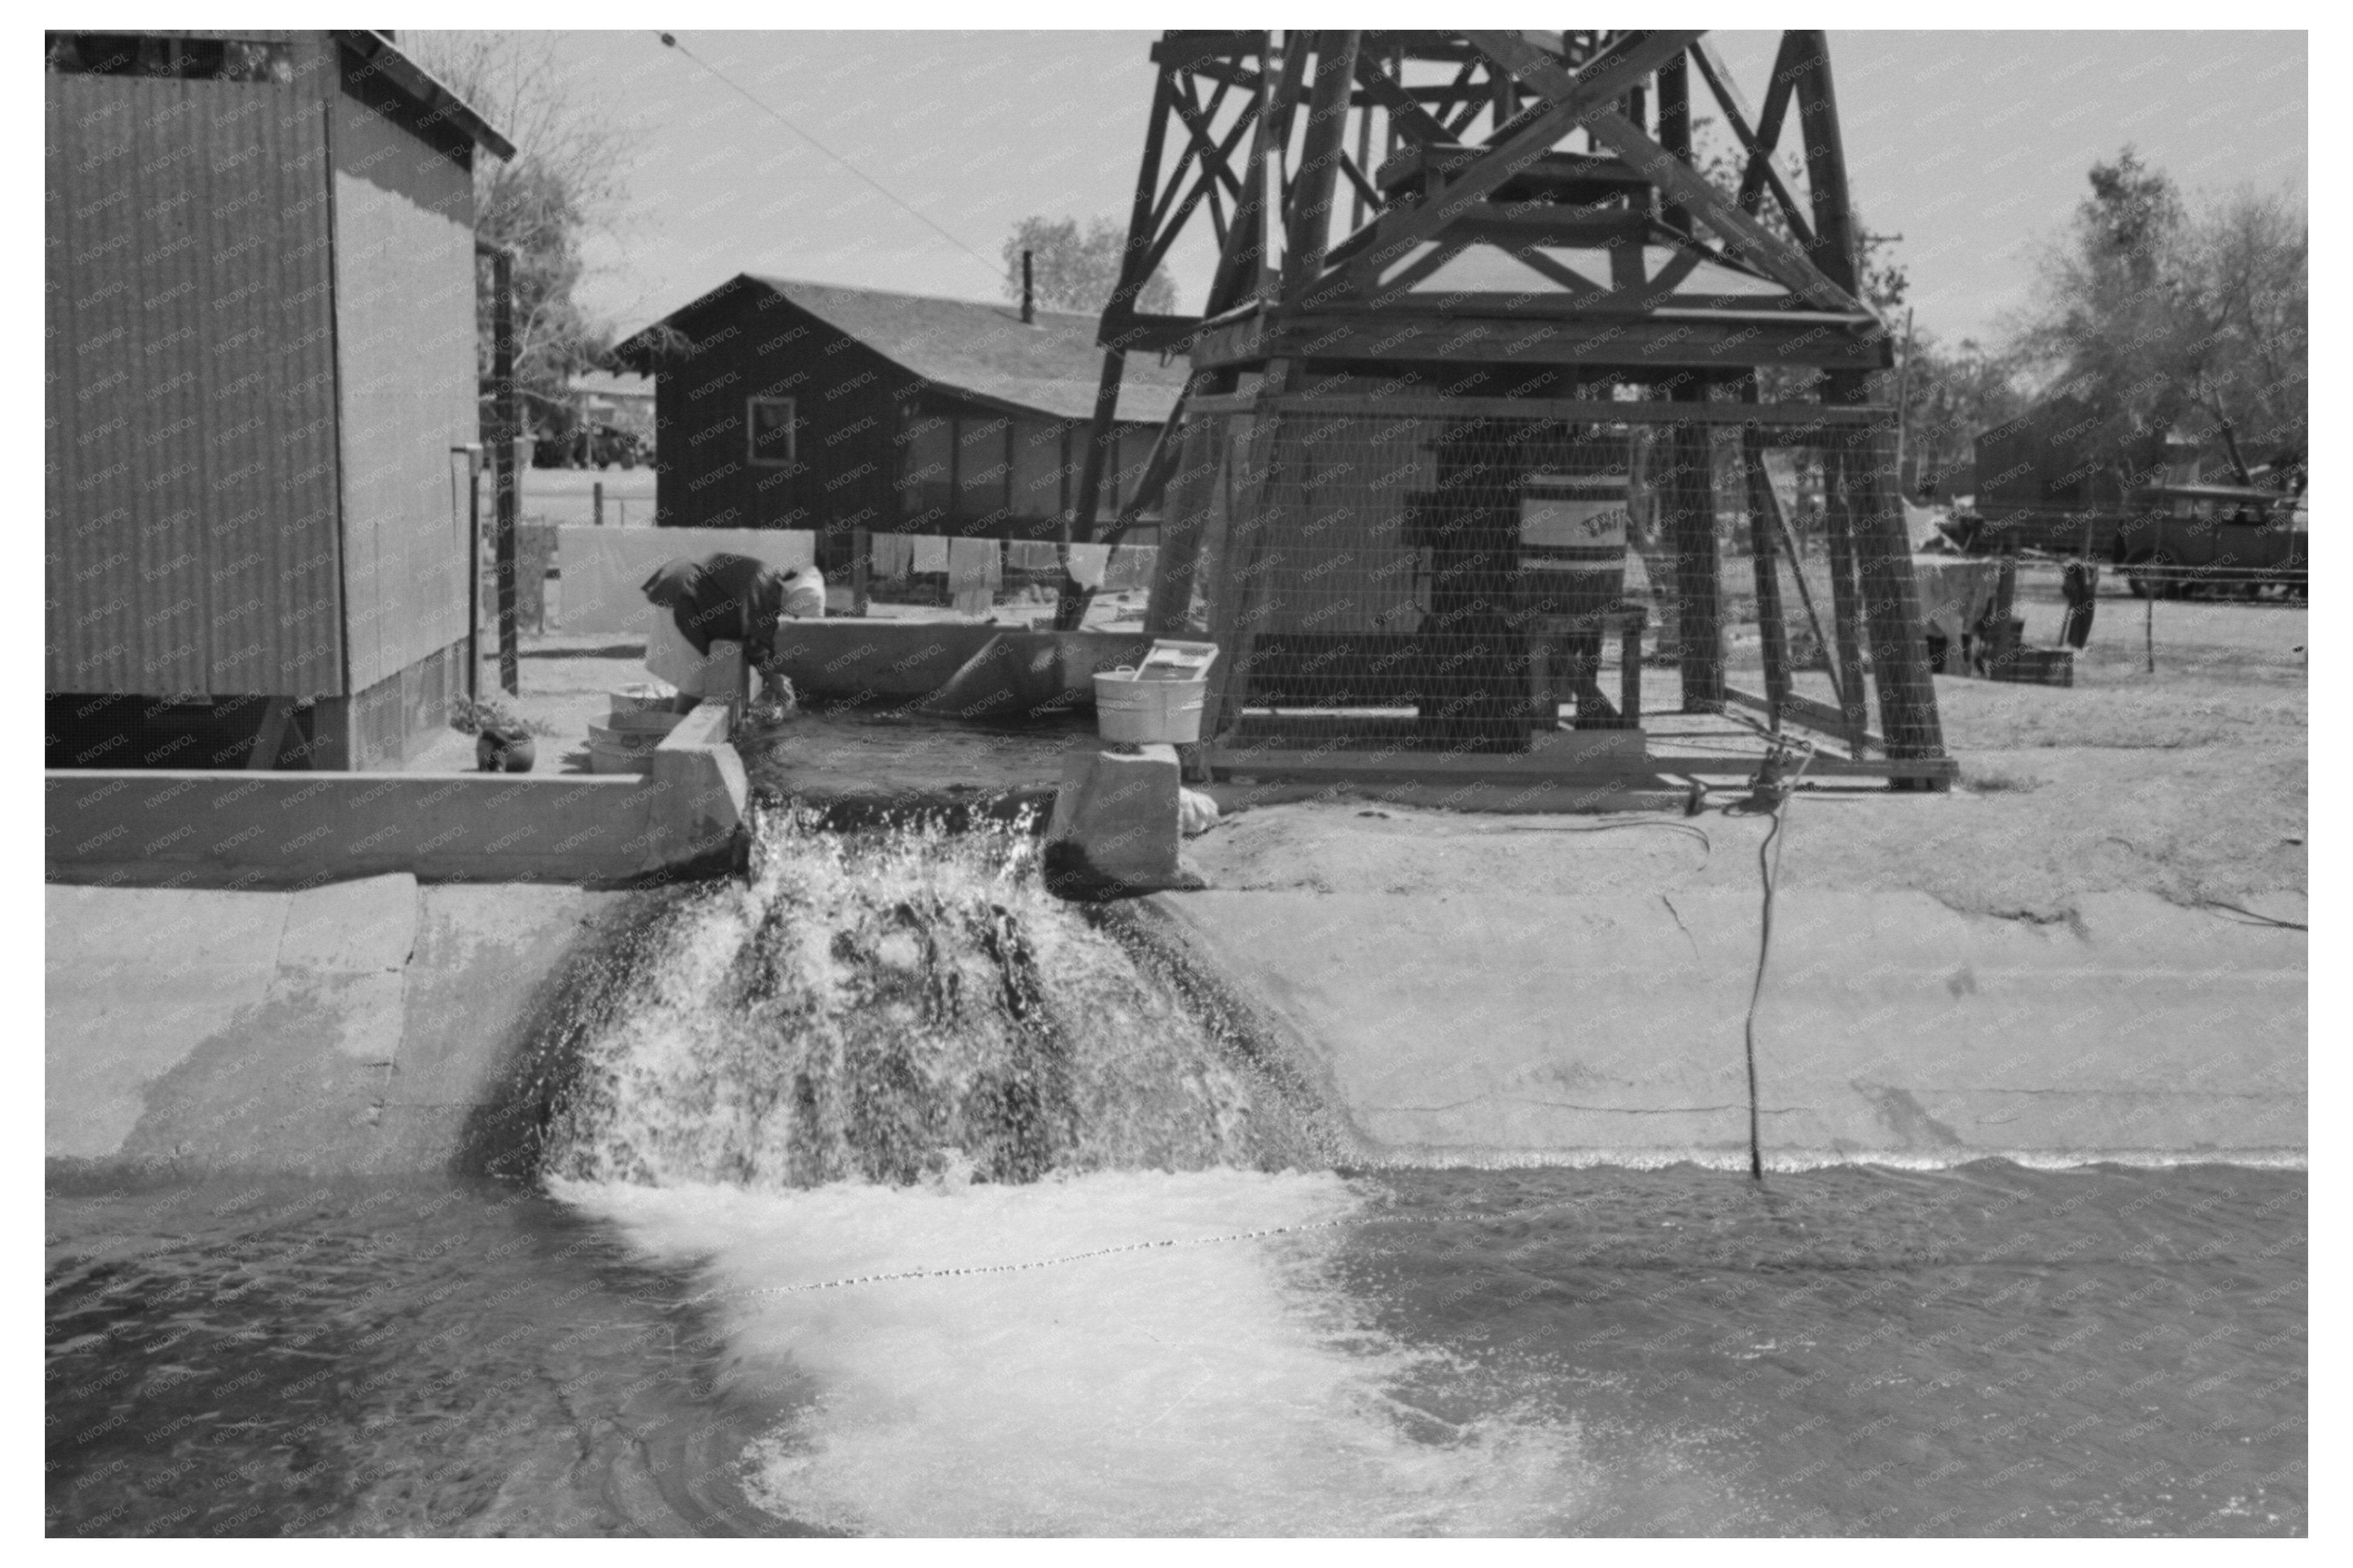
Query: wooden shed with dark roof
x=781, y=404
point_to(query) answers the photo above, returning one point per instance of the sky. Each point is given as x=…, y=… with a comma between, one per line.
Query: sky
x=1973, y=146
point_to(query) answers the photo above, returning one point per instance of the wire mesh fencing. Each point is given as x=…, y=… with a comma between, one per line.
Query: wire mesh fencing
x=1473, y=583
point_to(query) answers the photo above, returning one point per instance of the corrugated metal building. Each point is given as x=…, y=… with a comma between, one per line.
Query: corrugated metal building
x=261, y=327
x=781, y=404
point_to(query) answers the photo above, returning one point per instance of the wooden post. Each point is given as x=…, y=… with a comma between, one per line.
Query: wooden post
x=1871, y=517
x=1689, y=495
x=503, y=454
x=861, y=548
x=1676, y=128
x=1772, y=634
x=2001, y=649
x=1238, y=593
x=596, y=504
x=1310, y=225
x=473, y=572
x=1839, y=505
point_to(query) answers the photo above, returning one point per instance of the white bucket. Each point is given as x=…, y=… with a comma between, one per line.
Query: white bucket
x=1148, y=712
x=612, y=750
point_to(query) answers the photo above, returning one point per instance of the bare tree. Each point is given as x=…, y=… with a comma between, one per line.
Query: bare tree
x=565, y=183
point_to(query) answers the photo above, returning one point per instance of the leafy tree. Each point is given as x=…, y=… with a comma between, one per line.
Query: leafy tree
x=1077, y=271
x=564, y=183
x=2155, y=316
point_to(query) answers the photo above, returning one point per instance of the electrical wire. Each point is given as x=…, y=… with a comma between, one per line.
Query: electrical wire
x=669, y=40
x=1769, y=871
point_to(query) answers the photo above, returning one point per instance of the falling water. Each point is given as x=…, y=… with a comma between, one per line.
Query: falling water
x=895, y=1005
x=1033, y=1246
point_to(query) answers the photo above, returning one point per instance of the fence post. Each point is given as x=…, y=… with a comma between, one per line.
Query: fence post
x=596, y=504
x=861, y=549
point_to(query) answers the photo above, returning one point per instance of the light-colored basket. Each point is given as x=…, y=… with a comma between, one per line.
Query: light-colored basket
x=1147, y=713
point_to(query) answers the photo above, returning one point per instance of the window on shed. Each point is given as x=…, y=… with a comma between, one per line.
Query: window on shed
x=981, y=466
x=772, y=423
x=1037, y=469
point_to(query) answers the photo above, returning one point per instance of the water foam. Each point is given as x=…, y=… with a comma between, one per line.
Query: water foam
x=1215, y=1389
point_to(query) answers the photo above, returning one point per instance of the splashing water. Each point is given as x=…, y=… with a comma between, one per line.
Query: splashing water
x=893, y=1052
x=1220, y=1388
x=889, y=1005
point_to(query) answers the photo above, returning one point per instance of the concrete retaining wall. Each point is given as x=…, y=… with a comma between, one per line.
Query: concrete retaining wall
x=280, y=828
x=362, y=1026
x=857, y=661
x=1507, y=1026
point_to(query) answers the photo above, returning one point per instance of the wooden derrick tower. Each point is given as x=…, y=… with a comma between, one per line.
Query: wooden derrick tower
x=1466, y=283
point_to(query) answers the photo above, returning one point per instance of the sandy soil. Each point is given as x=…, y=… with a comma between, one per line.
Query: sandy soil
x=2189, y=784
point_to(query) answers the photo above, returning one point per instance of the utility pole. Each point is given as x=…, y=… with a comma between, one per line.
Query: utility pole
x=508, y=420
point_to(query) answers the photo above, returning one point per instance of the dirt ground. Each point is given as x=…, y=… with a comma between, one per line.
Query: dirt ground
x=2189, y=783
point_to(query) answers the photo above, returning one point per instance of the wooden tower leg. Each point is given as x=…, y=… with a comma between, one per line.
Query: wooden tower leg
x=1772, y=633
x=1867, y=518
x=1846, y=609
x=1690, y=494
x=1239, y=599
x=1899, y=643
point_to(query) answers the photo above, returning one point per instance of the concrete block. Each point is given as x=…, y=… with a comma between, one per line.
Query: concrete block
x=1115, y=828
x=700, y=795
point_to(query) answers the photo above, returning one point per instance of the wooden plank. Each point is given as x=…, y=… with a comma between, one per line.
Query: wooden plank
x=1308, y=231
x=1787, y=265
x=1237, y=277
x=1735, y=114
x=1781, y=420
x=1570, y=100
x=1836, y=244
x=1228, y=763
x=1812, y=712
x=1541, y=797
x=1216, y=154
x=1679, y=342
x=1137, y=333
x=1768, y=120
x=1408, y=117
x=1642, y=299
